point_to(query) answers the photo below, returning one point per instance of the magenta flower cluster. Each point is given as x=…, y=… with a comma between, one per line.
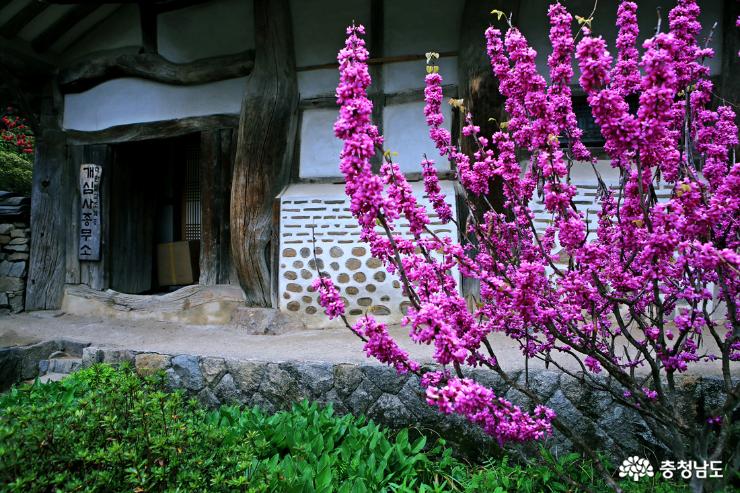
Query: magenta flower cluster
x=657, y=277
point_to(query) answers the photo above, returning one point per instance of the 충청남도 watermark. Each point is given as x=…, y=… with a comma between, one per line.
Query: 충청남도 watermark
x=636, y=468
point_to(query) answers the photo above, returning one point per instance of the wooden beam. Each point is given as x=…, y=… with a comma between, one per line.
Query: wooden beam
x=21, y=19
x=51, y=34
x=415, y=95
x=406, y=96
x=169, y=5
x=151, y=130
x=152, y=66
x=377, y=61
x=266, y=136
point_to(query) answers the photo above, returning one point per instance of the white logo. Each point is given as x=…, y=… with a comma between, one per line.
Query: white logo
x=635, y=468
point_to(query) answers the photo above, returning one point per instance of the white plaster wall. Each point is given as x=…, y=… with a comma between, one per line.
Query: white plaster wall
x=410, y=75
x=128, y=100
x=321, y=211
x=419, y=26
x=534, y=24
x=121, y=28
x=407, y=134
x=318, y=82
x=319, y=27
x=319, y=147
x=210, y=29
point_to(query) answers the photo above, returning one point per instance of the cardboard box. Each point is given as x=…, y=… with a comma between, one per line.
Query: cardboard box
x=177, y=263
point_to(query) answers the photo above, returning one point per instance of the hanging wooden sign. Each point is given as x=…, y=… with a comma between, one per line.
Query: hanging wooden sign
x=90, y=175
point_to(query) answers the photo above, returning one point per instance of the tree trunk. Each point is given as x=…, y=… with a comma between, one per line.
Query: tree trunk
x=266, y=135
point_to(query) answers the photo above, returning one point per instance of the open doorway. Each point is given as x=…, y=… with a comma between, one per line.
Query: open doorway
x=155, y=215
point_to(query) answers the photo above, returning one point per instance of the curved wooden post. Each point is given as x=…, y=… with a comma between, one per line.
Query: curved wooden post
x=266, y=136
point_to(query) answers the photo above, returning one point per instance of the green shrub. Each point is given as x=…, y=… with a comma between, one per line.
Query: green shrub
x=107, y=430
x=16, y=172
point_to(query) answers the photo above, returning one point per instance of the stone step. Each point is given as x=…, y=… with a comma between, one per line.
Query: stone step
x=66, y=365
x=49, y=377
x=52, y=377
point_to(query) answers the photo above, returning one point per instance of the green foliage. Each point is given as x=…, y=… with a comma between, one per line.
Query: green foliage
x=108, y=430
x=16, y=171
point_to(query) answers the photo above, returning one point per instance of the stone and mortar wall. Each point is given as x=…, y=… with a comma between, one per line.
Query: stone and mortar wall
x=15, y=239
x=398, y=401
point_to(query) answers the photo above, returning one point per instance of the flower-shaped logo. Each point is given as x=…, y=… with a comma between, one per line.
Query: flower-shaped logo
x=635, y=468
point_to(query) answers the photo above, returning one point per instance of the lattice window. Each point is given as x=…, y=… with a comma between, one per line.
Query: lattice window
x=191, y=192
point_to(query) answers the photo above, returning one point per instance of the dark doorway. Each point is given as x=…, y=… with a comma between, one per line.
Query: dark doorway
x=154, y=200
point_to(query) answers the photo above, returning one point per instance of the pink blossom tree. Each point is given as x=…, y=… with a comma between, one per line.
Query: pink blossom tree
x=635, y=293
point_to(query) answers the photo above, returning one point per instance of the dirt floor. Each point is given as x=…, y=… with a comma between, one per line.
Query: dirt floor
x=331, y=345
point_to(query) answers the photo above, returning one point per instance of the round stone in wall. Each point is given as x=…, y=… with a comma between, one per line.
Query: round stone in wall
x=396, y=284
x=380, y=310
x=404, y=307
x=312, y=264
x=352, y=290
x=359, y=277
x=334, y=265
x=306, y=299
x=289, y=252
x=358, y=251
x=355, y=311
x=336, y=252
x=294, y=306
x=290, y=275
x=298, y=264
x=370, y=288
x=286, y=295
x=353, y=264
x=343, y=277
x=373, y=263
x=305, y=252
x=311, y=310
x=379, y=276
x=385, y=297
x=294, y=288
x=365, y=301
x=306, y=274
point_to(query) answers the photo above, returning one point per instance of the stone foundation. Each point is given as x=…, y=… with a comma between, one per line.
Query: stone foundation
x=398, y=401
x=368, y=389
x=15, y=241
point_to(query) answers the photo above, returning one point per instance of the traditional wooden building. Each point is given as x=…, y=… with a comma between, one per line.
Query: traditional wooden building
x=210, y=121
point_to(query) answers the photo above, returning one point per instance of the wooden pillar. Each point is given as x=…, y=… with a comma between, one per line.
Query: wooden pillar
x=216, y=158
x=477, y=85
x=729, y=87
x=478, y=88
x=377, y=50
x=51, y=206
x=266, y=135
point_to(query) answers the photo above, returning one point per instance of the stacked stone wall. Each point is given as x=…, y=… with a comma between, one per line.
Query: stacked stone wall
x=15, y=240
